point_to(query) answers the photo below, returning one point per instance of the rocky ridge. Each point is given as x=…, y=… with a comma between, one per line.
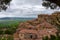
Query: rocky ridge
x=44, y=25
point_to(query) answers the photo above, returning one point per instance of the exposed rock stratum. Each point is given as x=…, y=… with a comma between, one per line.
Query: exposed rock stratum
x=44, y=25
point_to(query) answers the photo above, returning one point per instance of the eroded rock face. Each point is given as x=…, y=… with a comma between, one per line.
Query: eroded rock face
x=36, y=29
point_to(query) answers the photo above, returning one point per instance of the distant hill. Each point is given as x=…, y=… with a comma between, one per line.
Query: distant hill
x=15, y=18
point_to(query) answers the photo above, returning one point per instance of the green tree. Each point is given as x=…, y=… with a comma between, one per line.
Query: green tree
x=1, y=32
x=51, y=3
x=52, y=37
x=4, y=4
x=45, y=38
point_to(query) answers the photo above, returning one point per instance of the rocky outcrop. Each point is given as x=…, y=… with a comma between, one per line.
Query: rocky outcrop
x=35, y=29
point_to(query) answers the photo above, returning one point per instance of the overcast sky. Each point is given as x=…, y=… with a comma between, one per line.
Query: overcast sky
x=25, y=8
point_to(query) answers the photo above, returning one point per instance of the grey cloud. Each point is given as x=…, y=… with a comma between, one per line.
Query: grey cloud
x=25, y=8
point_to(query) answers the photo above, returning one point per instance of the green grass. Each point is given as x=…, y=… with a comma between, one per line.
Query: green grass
x=9, y=23
x=9, y=26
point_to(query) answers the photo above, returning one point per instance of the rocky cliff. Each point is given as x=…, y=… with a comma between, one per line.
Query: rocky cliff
x=44, y=25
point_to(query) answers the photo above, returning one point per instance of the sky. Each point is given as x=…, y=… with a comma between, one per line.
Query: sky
x=25, y=8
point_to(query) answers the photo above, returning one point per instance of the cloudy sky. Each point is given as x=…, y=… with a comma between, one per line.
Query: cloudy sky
x=25, y=8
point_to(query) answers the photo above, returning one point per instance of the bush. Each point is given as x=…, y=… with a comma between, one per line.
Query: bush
x=45, y=38
x=52, y=37
x=1, y=32
x=10, y=38
x=10, y=31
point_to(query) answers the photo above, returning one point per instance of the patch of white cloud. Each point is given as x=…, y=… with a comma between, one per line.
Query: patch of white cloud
x=25, y=8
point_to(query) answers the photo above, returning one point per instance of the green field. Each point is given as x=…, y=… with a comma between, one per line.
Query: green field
x=8, y=27
x=9, y=23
